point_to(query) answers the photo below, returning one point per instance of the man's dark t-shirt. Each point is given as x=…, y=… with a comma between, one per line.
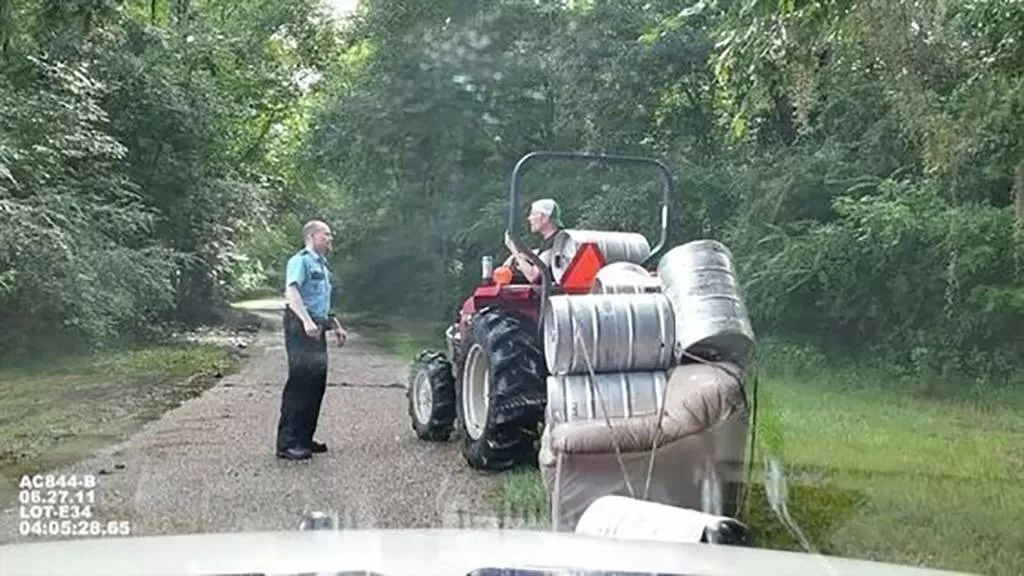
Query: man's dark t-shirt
x=546, y=250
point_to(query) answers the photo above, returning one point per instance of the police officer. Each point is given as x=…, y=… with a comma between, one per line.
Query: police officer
x=307, y=319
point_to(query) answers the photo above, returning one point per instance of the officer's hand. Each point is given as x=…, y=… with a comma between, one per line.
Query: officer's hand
x=340, y=333
x=312, y=330
x=508, y=243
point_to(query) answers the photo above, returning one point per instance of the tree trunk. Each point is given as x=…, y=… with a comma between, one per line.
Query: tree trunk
x=1018, y=193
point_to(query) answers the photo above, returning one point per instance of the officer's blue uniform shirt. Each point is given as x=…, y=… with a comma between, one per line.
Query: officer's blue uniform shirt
x=309, y=272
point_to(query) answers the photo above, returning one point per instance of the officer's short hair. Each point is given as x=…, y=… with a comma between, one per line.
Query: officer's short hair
x=310, y=227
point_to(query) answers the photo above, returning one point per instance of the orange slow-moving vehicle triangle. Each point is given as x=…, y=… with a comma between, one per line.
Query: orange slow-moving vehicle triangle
x=580, y=274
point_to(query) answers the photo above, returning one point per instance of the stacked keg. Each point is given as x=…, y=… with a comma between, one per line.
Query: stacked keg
x=608, y=352
x=712, y=324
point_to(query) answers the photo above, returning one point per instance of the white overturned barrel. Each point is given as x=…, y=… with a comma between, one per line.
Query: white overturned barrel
x=608, y=333
x=699, y=279
x=614, y=247
x=625, y=518
x=625, y=278
x=579, y=397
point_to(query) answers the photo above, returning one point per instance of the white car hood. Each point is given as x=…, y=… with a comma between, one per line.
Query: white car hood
x=438, y=552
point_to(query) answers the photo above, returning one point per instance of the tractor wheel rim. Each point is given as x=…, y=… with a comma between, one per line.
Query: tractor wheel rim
x=476, y=392
x=424, y=398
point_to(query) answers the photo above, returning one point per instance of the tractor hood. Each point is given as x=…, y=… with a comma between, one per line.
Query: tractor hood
x=438, y=552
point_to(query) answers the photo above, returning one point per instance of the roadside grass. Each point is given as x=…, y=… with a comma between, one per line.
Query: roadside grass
x=259, y=293
x=54, y=413
x=402, y=337
x=936, y=482
x=877, y=467
x=522, y=493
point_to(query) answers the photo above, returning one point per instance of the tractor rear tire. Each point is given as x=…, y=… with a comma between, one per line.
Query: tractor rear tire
x=502, y=391
x=431, y=397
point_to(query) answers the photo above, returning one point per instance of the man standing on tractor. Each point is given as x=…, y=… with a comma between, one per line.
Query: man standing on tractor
x=545, y=219
x=307, y=318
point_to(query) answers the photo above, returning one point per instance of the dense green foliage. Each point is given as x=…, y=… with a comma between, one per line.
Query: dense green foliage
x=864, y=160
x=145, y=155
x=861, y=159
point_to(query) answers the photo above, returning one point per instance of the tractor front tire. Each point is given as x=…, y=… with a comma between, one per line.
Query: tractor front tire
x=431, y=397
x=501, y=391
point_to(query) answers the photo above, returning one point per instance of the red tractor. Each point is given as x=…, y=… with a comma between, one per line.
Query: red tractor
x=490, y=383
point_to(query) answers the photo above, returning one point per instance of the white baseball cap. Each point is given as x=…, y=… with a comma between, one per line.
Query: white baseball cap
x=549, y=208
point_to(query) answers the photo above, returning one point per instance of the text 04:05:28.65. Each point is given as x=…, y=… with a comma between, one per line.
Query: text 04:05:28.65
x=74, y=528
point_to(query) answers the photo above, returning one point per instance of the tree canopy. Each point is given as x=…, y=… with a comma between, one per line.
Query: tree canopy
x=864, y=160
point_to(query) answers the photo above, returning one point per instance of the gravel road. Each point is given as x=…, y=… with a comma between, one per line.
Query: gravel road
x=209, y=465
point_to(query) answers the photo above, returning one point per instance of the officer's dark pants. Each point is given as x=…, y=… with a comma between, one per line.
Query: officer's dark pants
x=306, y=384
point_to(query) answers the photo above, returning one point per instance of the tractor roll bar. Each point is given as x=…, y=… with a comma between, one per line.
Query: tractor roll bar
x=516, y=193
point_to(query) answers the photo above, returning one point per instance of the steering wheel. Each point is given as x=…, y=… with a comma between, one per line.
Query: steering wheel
x=517, y=275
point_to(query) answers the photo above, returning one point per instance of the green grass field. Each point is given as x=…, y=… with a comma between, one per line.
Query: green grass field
x=54, y=413
x=890, y=475
x=875, y=469
x=401, y=337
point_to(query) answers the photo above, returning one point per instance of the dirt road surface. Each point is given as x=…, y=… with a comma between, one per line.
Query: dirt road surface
x=210, y=466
